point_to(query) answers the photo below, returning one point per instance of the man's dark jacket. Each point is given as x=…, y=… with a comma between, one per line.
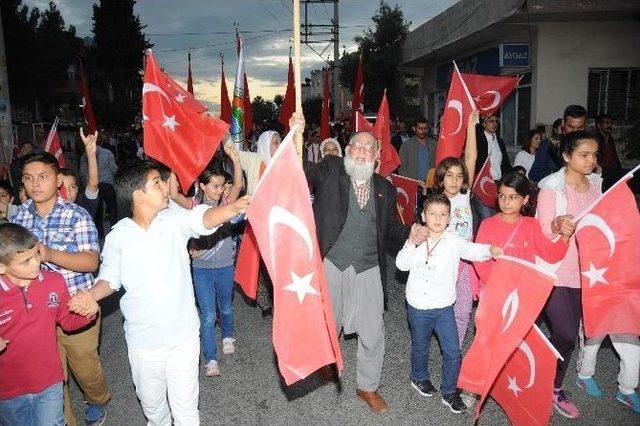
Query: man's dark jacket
x=330, y=183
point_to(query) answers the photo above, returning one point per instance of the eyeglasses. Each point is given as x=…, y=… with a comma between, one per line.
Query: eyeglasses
x=366, y=147
x=511, y=197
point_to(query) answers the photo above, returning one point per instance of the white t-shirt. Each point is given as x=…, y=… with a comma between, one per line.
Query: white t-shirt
x=461, y=216
x=524, y=159
x=495, y=154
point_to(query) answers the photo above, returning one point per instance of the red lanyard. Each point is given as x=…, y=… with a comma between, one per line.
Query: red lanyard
x=432, y=249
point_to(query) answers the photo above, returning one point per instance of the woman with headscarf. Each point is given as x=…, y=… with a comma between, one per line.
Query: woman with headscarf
x=254, y=165
x=330, y=146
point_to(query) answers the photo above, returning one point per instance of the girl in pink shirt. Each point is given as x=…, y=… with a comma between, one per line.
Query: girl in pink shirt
x=562, y=195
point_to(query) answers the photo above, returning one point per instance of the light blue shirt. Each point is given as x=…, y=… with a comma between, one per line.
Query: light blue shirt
x=153, y=267
x=423, y=161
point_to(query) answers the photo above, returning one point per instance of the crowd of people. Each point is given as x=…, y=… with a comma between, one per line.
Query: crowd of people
x=174, y=252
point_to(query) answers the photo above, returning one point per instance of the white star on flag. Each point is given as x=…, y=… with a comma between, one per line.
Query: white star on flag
x=170, y=122
x=595, y=275
x=301, y=286
x=513, y=386
x=180, y=98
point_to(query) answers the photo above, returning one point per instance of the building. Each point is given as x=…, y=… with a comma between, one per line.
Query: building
x=567, y=52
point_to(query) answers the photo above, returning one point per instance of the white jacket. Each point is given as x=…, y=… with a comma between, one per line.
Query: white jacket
x=556, y=182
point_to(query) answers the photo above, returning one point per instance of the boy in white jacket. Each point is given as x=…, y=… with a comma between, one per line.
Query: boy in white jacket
x=431, y=293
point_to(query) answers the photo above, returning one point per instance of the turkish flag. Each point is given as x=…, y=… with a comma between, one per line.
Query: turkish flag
x=362, y=124
x=304, y=330
x=176, y=130
x=357, y=104
x=407, y=197
x=87, y=108
x=189, y=77
x=288, y=106
x=607, y=238
x=489, y=91
x=514, y=295
x=523, y=388
x=52, y=143
x=453, y=126
x=248, y=264
x=225, y=103
x=484, y=187
x=389, y=159
x=325, y=126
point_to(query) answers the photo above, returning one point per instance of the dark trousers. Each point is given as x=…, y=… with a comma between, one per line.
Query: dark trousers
x=480, y=212
x=563, y=312
x=108, y=203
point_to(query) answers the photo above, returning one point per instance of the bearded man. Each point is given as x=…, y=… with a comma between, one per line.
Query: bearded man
x=357, y=222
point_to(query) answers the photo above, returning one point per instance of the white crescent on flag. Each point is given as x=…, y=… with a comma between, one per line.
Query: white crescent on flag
x=404, y=194
x=283, y=216
x=510, y=309
x=150, y=87
x=457, y=106
x=591, y=219
x=484, y=180
x=496, y=100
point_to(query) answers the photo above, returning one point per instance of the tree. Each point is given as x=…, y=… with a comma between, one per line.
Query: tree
x=263, y=111
x=312, y=109
x=118, y=58
x=381, y=50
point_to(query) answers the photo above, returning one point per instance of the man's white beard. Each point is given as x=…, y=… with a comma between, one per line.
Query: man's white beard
x=358, y=172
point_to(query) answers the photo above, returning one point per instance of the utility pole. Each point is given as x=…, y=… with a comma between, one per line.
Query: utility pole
x=6, y=128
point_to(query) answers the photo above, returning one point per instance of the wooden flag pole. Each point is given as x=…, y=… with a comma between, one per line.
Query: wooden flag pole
x=296, y=70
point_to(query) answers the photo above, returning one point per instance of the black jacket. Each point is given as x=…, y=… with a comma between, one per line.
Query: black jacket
x=331, y=203
x=483, y=152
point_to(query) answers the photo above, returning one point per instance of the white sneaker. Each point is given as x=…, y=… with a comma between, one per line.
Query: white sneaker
x=211, y=368
x=228, y=346
x=469, y=399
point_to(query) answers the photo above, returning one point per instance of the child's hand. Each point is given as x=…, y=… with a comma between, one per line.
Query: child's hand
x=297, y=118
x=241, y=204
x=474, y=118
x=232, y=152
x=418, y=234
x=89, y=141
x=3, y=344
x=45, y=253
x=496, y=252
x=82, y=303
x=556, y=224
x=195, y=253
x=566, y=226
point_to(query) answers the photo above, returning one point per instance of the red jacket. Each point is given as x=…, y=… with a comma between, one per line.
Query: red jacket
x=28, y=317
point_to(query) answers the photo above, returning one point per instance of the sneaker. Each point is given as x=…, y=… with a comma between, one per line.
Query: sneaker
x=469, y=399
x=228, y=346
x=454, y=402
x=95, y=415
x=424, y=387
x=590, y=386
x=632, y=400
x=211, y=368
x=563, y=406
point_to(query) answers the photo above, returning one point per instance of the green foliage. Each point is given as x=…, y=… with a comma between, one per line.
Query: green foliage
x=264, y=111
x=39, y=48
x=118, y=60
x=381, y=50
x=312, y=110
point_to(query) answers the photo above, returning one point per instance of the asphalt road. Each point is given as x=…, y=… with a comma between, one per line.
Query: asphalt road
x=251, y=391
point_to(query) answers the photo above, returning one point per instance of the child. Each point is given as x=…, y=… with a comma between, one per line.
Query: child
x=452, y=179
x=7, y=209
x=568, y=192
x=146, y=253
x=213, y=258
x=431, y=293
x=32, y=302
x=69, y=246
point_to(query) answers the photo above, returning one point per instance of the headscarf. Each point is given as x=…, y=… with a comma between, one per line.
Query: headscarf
x=333, y=141
x=264, y=145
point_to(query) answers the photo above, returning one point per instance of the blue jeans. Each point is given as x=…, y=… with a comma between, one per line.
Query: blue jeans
x=422, y=323
x=214, y=289
x=34, y=409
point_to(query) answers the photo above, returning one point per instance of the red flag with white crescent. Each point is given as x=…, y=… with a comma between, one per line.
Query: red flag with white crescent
x=357, y=103
x=52, y=144
x=607, y=237
x=407, y=197
x=515, y=293
x=389, y=158
x=489, y=91
x=176, y=131
x=248, y=264
x=87, y=108
x=524, y=385
x=453, y=126
x=484, y=187
x=304, y=330
x=362, y=124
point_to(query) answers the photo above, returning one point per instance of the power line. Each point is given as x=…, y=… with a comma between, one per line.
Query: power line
x=241, y=32
x=261, y=36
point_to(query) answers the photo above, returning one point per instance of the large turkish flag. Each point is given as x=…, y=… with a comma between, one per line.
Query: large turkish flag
x=453, y=127
x=523, y=388
x=485, y=187
x=176, y=130
x=407, y=197
x=489, y=91
x=607, y=237
x=514, y=295
x=389, y=159
x=304, y=330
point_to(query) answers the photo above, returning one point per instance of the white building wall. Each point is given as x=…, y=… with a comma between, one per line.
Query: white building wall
x=565, y=52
